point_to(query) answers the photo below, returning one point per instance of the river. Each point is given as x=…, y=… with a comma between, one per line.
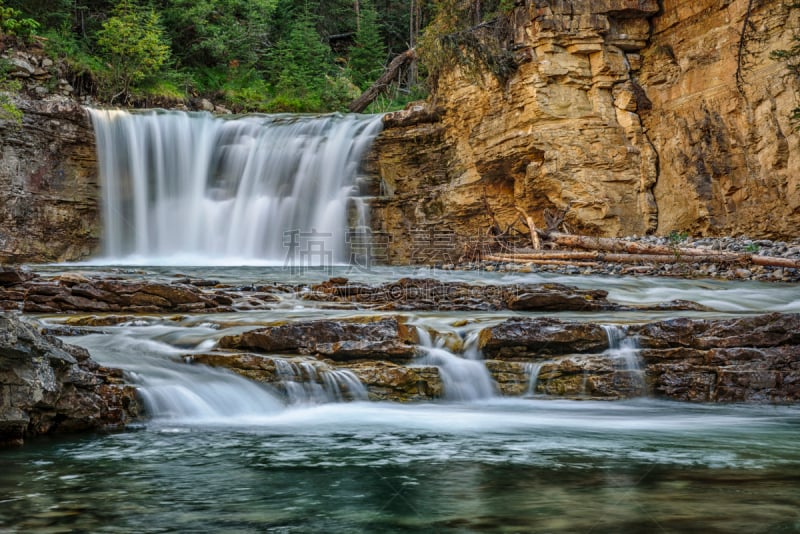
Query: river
x=221, y=454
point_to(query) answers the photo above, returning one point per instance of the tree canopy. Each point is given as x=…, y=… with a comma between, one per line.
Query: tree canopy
x=251, y=55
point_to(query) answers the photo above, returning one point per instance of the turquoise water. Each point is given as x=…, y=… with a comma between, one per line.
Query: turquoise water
x=247, y=462
x=500, y=466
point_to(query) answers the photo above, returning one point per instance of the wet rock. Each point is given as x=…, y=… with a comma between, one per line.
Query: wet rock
x=756, y=331
x=47, y=386
x=387, y=338
x=389, y=381
x=526, y=338
x=556, y=297
x=10, y=276
x=432, y=294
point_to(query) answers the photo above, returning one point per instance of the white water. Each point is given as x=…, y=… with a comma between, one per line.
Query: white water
x=189, y=187
x=624, y=351
x=533, y=370
x=312, y=382
x=463, y=378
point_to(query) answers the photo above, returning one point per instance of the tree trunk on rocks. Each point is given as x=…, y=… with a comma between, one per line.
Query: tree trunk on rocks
x=381, y=84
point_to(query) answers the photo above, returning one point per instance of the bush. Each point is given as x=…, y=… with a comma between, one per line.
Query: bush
x=12, y=24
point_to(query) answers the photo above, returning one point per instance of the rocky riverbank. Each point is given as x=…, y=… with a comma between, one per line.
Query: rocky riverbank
x=47, y=386
x=685, y=268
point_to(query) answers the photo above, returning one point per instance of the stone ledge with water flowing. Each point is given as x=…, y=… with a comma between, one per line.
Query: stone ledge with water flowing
x=740, y=359
x=76, y=292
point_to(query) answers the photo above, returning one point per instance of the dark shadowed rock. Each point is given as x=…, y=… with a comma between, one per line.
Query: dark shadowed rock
x=10, y=276
x=556, y=297
x=756, y=331
x=524, y=338
x=48, y=386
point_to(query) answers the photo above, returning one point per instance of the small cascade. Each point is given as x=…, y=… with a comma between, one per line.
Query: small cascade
x=307, y=382
x=624, y=352
x=532, y=370
x=464, y=378
x=185, y=188
x=180, y=392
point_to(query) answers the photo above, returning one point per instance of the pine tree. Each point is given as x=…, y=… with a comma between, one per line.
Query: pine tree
x=134, y=46
x=302, y=57
x=368, y=55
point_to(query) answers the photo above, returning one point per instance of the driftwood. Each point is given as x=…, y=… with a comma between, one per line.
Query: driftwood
x=609, y=244
x=615, y=257
x=535, y=243
x=381, y=84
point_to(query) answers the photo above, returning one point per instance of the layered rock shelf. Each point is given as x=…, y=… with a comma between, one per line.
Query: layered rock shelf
x=721, y=360
x=78, y=293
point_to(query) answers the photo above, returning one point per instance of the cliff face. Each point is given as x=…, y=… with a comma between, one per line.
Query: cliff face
x=729, y=153
x=626, y=113
x=48, y=184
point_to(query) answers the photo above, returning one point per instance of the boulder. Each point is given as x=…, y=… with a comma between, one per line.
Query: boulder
x=388, y=338
x=524, y=338
x=47, y=386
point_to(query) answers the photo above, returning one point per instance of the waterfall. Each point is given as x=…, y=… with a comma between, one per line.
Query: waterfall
x=306, y=382
x=533, y=369
x=624, y=352
x=464, y=378
x=192, y=188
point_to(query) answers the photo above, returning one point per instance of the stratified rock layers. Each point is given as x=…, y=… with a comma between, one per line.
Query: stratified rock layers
x=48, y=184
x=753, y=358
x=47, y=386
x=632, y=118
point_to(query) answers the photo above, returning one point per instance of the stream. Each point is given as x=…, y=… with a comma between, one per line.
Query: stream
x=223, y=454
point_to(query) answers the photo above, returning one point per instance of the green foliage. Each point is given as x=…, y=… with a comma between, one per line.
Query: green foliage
x=676, y=238
x=132, y=42
x=253, y=55
x=303, y=59
x=368, y=55
x=449, y=41
x=12, y=24
x=8, y=111
x=218, y=32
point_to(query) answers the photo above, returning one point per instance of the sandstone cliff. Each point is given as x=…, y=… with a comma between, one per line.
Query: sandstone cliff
x=628, y=113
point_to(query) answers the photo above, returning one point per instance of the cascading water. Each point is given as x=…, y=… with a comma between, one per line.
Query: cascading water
x=464, y=379
x=191, y=188
x=309, y=382
x=533, y=370
x=624, y=351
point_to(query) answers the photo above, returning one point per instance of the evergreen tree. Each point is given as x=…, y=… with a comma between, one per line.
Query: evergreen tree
x=133, y=44
x=368, y=55
x=302, y=58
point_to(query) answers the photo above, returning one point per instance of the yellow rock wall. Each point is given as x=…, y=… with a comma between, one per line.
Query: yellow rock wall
x=625, y=112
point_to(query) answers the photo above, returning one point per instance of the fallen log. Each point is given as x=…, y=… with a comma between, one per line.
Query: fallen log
x=381, y=84
x=613, y=257
x=610, y=244
x=772, y=261
x=535, y=243
x=581, y=263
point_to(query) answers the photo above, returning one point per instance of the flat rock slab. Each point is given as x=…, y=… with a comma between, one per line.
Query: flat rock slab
x=387, y=338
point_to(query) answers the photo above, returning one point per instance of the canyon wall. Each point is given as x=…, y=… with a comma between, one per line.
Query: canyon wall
x=627, y=114
x=48, y=184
